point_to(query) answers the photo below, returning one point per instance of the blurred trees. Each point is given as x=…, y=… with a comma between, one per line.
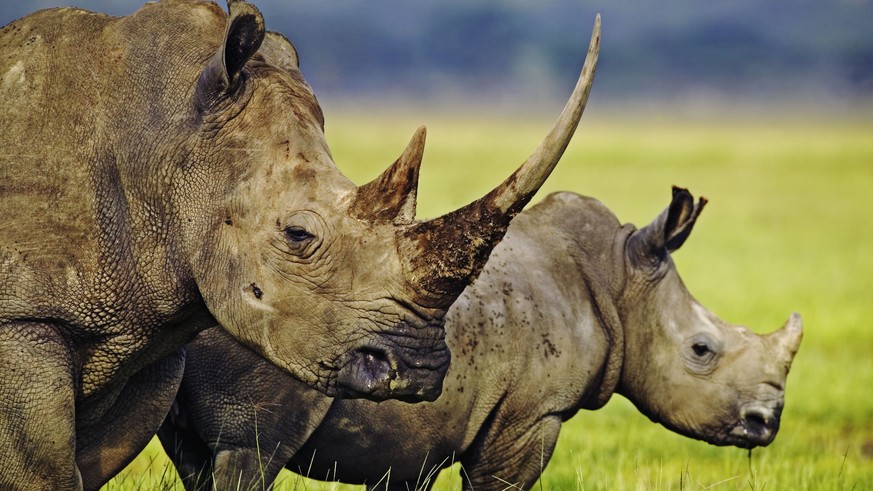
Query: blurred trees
x=500, y=48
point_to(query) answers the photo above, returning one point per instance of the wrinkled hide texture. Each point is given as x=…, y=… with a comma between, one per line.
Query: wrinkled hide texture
x=167, y=171
x=567, y=311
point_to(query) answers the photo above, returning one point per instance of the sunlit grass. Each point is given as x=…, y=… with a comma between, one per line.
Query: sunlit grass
x=789, y=228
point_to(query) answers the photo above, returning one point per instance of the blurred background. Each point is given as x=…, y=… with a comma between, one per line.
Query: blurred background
x=507, y=54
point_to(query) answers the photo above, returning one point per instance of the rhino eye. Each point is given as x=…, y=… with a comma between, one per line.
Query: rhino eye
x=700, y=349
x=702, y=354
x=297, y=234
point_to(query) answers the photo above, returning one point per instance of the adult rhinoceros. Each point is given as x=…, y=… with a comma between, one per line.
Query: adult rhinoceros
x=571, y=307
x=166, y=172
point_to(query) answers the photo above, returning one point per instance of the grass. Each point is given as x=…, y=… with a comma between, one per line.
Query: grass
x=789, y=228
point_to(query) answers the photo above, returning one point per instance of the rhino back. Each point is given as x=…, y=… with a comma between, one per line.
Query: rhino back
x=46, y=191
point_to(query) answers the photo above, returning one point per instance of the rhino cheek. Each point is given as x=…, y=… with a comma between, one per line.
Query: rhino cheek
x=700, y=409
x=302, y=348
x=292, y=349
x=695, y=406
x=247, y=307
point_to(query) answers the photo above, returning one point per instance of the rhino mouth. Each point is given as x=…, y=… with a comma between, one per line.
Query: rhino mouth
x=757, y=427
x=387, y=369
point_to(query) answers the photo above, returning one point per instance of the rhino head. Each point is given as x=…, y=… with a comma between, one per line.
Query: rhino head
x=683, y=366
x=337, y=284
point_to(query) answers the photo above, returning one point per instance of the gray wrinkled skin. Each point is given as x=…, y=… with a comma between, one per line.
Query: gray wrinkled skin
x=166, y=172
x=571, y=307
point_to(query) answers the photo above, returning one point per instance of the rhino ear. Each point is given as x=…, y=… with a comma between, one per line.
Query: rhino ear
x=243, y=35
x=279, y=51
x=669, y=230
x=681, y=217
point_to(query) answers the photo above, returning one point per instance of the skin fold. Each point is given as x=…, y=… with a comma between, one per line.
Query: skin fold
x=571, y=307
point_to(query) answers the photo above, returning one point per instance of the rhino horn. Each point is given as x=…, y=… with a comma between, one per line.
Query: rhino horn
x=392, y=195
x=786, y=341
x=452, y=249
x=243, y=35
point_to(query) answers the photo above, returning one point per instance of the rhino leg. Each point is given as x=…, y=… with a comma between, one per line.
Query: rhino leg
x=510, y=454
x=249, y=468
x=189, y=453
x=263, y=434
x=37, y=407
x=105, y=447
x=251, y=452
x=237, y=422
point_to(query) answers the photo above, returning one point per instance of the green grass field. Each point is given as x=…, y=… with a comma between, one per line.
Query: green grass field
x=789, y=227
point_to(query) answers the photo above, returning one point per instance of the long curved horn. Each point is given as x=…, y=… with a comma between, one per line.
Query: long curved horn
x=519, y=188
x=392, y=195
x=449, y=251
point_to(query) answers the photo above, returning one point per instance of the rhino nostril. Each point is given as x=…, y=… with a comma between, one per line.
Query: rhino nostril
x=760, y=425
x=377, y=364
x=756, y=422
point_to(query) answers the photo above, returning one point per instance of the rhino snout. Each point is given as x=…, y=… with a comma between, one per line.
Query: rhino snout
x=757, y=426
x=367, y=370
x=391, y=371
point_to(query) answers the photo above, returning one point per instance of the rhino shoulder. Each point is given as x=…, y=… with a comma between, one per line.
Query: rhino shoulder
x=570, y=202
x=571, y=213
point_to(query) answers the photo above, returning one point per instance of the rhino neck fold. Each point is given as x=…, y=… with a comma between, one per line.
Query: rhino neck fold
x=603, y=290
x=607, y=316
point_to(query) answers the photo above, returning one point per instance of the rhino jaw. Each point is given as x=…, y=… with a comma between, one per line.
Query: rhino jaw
x=392, y=372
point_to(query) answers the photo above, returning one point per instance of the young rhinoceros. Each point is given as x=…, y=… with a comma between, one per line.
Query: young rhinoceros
x=166, y=172
x=571, y=307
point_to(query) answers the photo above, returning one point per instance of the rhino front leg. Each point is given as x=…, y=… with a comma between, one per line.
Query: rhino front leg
x=255, y=448
x=273, y=437
x=189, y=453
x=510, y=454
x=237, y=420
x=107, y=445
x=37, y=401
x=249, y=468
